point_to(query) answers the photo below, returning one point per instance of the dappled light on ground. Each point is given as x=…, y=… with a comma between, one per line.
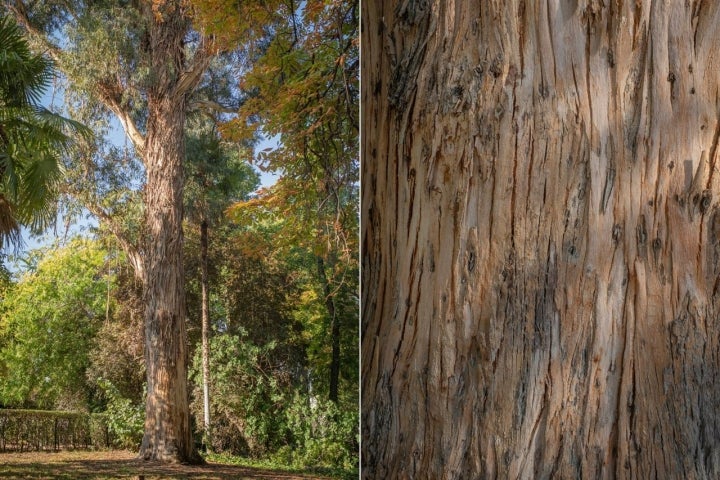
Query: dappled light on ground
x=122, y=464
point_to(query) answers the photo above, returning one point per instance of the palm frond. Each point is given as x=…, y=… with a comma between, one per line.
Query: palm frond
x=32, y=138
x=24, y=76
x=9, y=227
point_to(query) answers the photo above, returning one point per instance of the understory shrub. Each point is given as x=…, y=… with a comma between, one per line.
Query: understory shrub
x=246, y=397
x=323, y=435
x=257, y=413
x=125, y=420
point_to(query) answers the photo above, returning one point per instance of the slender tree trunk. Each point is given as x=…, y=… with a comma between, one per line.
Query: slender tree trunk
x=334, y=330
x=168, y=436
x=205, y=324
x=541, y=239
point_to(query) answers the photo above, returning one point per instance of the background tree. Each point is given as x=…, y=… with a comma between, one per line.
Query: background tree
x=259, y=357
x=265, y=397
x=540, y=238
x=141, y=61
x=305, y=91
x=48, y=324
x=216, y=177
x=116, y=353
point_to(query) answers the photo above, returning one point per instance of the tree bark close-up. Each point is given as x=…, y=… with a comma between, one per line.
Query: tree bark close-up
x=541, y=239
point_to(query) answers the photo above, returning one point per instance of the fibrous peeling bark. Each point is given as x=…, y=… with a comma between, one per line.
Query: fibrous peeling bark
x=540, y=240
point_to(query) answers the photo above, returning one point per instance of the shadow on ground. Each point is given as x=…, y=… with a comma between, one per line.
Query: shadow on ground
x=122, y=465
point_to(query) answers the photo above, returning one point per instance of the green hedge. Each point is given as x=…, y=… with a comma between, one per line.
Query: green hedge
x=24, y=430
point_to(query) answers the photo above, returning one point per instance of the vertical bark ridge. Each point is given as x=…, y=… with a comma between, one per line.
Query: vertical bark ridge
x=544, y=308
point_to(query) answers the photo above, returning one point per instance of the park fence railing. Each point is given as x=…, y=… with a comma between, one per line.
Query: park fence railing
x=35, y=430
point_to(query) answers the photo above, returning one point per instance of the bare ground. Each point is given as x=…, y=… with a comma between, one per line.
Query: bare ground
x=81, y=465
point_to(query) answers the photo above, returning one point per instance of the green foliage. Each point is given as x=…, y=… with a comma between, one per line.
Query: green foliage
x=305, y=84
x=324, y=435
x=124, y=419
x=23, y=76
x=31, y=137
x=265, y=463
x=310, y=310
x=215, y=174
x=246, y=396
x=252, y=293
x=116, y=354
x=116, y=30
x=318, y=436
x=48, y=323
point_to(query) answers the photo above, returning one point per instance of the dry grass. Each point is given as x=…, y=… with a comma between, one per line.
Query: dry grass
x=79, y=465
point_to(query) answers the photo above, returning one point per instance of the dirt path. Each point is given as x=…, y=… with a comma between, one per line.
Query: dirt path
x=121, y=464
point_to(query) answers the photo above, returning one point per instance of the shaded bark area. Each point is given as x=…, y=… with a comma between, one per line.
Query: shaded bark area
x=540, y=240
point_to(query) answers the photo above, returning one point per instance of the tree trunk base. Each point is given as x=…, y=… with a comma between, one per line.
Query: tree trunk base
x=172, y=457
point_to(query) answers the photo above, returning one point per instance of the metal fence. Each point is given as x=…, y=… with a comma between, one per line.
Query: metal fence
x=33, y=430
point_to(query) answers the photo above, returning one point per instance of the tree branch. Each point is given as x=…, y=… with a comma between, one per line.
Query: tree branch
x=130, y=128
x=110, y=94
x=191, y=77
x=126, y=244
x=208, y=106
x=20, y=13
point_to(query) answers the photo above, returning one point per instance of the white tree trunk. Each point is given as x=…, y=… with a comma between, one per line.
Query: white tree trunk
x=205, y=323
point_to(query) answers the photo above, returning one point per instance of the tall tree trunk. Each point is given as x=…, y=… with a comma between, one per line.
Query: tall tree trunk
x=334, y=330
x=205, y=324
x=541, y=239
x=157, y=260
x=168, y=436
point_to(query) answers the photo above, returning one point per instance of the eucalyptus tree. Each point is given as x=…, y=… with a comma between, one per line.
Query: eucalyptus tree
x=140, y=61
x=32, y=138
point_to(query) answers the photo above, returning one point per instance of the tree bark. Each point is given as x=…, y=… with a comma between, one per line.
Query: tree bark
x=205, y=323
x=168, y=436
x=167, y=429
x=541, y=239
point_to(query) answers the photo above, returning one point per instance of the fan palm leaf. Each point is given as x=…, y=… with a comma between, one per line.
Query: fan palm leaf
x=32, y=138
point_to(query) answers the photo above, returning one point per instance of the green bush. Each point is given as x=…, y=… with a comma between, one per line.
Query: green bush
x=49, y=321
x=246, y=397
x=255, y=414
x=125, y=421
x=324, y=436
